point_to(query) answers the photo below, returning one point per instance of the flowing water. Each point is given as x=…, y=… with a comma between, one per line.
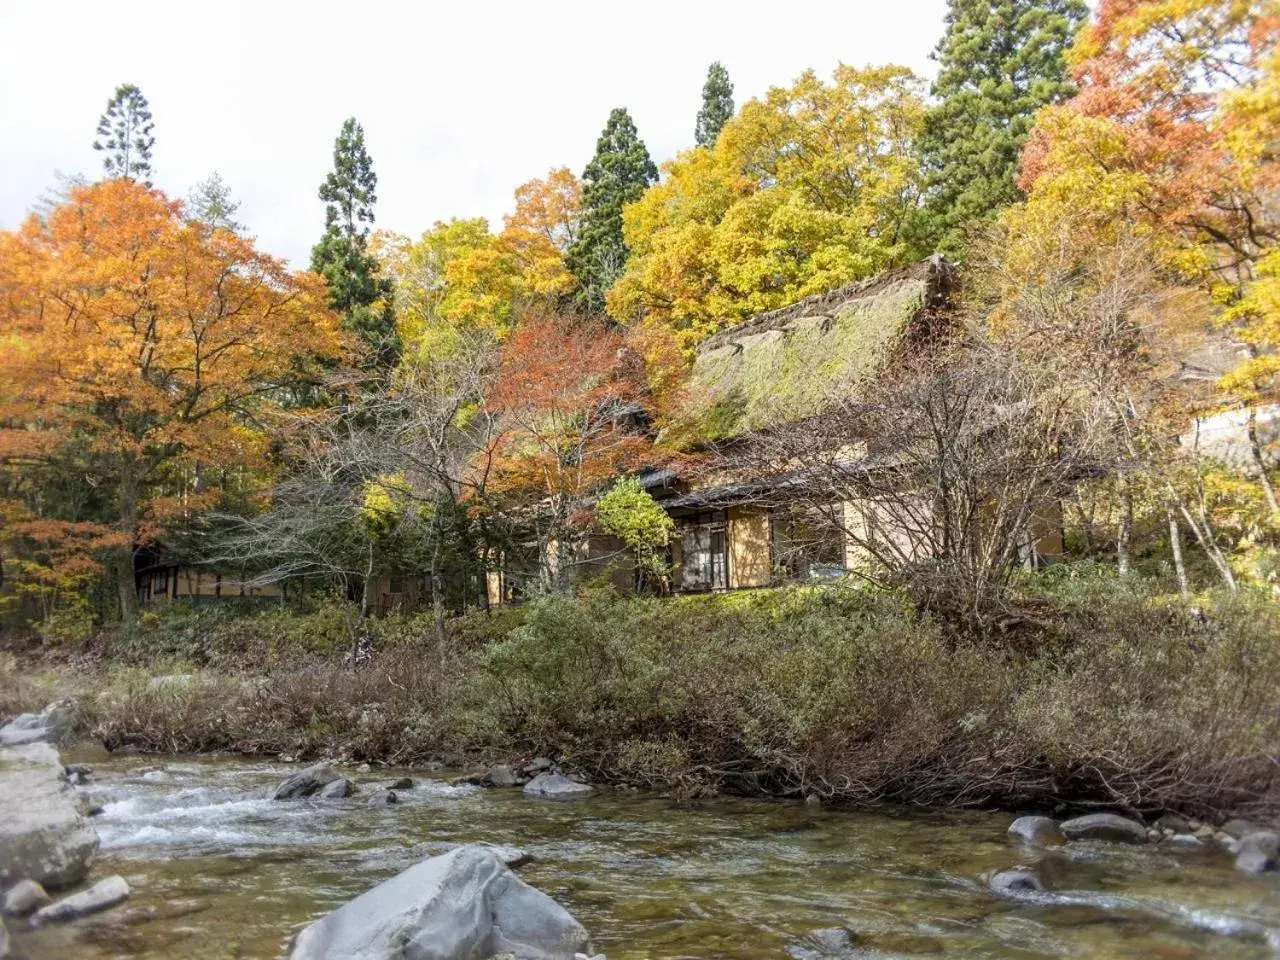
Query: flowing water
x=219, y=871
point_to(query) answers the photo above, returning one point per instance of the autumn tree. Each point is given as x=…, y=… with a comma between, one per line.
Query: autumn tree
x=569, y=402
x=461, y=277
x=617, y=175
x=813, y=186
x=124, y=135
x=152, y=341
x=999, y=62
x=1174, y=130
x=357, y=291
x=717, y=106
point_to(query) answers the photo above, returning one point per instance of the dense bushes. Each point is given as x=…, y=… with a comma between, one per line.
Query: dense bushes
x=1106, y=694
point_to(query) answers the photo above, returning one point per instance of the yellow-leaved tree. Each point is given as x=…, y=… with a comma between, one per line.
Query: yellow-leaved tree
x=816, y=185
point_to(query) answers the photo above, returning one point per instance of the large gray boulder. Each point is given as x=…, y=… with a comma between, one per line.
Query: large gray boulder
x=1104, y=826
x=43, y=835
x=103, y=894
x=1258, y=852
x=464, y=905
x=552, y=786
x=53, y=724
x=305, y=783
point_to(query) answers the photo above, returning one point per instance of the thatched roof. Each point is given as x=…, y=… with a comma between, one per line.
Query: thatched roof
x=784, y=365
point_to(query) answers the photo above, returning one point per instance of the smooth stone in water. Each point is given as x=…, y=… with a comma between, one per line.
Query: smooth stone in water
x=43, y=834
x=1238, y=829
x=306, y=782
x=466, y=903
x=553, y=786
x=384, y=799
x=404, y=783
x=1258, y=853
x=1104, y=826
x=501, y=776
x=103, y=894
x=830, y=944
x=25, y=897
x=1039, y=831
x=1015, y=883
x=337, y=789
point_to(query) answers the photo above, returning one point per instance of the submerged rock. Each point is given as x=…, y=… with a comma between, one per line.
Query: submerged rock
x=337, y=789
x=25, y=897
x=466, y=903
x=404, y=783
x=306, y=782
x=1016, y=882
x=833, y=943
x=1258, y=852
x=384, y=799
x=43, y=835
x=553, y=786
x=1105, y=826
x=103, y=894
x=51, y=725
x=1039, y=831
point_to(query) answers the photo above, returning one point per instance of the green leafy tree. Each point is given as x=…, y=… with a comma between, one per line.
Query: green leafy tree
x=619, y=173
x=628, y=511
x=357, y=290
x=124, y=135
x=998, y=63
x=210, y=203
x=717, y=105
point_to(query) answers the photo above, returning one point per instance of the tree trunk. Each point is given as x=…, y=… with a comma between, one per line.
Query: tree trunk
x=1125, y=534
x=1175, y=544
x=368, y=578
x=1260, y=462
x=437, y=602
x=126, y=583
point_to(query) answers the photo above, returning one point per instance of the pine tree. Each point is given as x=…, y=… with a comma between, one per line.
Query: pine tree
x=999, y=61
x=210, y=203
x=618, y=174
x=124, y=133
x=356, y=291
x=717, y=105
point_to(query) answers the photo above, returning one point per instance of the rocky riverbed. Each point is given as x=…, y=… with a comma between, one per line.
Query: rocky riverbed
x=218, y=869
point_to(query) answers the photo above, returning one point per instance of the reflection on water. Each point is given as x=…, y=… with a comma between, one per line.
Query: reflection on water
x=218, y=871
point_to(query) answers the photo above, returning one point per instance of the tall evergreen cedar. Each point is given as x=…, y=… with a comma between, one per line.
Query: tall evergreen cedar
x=342, y=256
x=619, y=173
x=124, y=134
x=998, y=62
x=717, y=106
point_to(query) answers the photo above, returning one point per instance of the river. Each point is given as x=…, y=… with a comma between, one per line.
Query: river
x=219, y=871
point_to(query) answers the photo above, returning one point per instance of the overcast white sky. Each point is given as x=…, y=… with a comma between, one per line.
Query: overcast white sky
x=460, y=102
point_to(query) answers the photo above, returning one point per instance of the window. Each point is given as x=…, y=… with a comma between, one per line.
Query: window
x=705, y=563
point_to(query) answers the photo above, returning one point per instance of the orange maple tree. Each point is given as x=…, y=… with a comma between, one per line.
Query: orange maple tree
x=156, y=343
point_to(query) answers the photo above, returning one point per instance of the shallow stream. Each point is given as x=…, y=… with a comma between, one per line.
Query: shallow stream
x=219, y=871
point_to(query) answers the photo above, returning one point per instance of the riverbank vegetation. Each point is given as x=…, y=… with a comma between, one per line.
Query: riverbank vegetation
x=1107, y=692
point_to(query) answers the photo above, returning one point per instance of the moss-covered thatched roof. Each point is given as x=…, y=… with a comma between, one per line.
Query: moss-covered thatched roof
x=785, y=365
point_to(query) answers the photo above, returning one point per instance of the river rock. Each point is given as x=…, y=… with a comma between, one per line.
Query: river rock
x=306, y=782
x=466, y=903
x=1238, y=829
x=1104, y=826
x=538, y=765
x=25, y=897
x=404, y=783
x=553, y=786
x=1173, y=822
x=384, y=798
x=337, y=789
x=501, y=776
x=103, y=894
x=1038, y=831
x=51, y=725
x=43, y=835
x=1015, y=883
x=833, y=943
x=1258, y=852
